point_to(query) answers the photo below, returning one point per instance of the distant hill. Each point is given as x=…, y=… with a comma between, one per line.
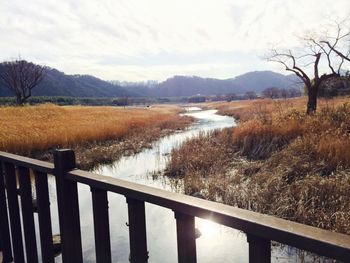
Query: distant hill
x=57, y=83
x=253, y=81
x=188, y=86
x=259, y=80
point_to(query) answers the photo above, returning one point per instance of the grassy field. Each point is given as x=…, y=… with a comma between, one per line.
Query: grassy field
x=36, y=128
x=277, y=161
x=248, y=109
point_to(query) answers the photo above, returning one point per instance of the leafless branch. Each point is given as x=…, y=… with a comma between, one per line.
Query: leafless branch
x=21, y=77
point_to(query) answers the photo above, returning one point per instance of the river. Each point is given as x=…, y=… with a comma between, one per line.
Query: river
x=216, y=243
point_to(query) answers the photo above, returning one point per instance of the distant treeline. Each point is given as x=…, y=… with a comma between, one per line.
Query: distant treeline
x=125, y=101
x=272, y=93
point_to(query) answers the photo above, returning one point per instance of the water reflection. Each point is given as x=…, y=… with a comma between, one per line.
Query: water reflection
x=161, y=228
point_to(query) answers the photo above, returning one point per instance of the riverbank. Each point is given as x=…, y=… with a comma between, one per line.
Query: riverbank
x=97, y=134
x=277, y=161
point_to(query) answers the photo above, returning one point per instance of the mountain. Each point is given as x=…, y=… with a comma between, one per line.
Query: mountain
x=178, y=86
x=259, y=80
x=252, y=81
x=56, y=83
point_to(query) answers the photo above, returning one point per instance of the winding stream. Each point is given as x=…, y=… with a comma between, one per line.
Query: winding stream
x=216, y=244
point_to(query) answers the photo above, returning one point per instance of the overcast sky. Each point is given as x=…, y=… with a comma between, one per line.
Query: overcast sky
x=154, y=39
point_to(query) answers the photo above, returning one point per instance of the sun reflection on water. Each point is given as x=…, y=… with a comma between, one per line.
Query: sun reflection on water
x=207, y=228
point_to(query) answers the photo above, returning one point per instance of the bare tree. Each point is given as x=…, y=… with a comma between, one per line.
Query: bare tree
x=306, y=62
x=284, y=93
x=231, y=96
x=271, y=93
x=294, y=92
x=21, y=77
x=251, y=95
x=334, y=44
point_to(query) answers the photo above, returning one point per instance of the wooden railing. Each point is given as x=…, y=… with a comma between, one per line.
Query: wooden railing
x=15, y=172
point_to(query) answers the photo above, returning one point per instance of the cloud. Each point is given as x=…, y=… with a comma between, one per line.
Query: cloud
x=134, y=39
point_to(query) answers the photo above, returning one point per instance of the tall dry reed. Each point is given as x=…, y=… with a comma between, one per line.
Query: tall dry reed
x=29, y=128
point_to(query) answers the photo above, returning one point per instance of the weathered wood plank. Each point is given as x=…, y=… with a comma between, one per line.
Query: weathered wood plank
x=15, y=221
x=137, y=231
x=44, y=216
x=34, y=164
x=101, y=226
x=186, y=238
x=68, y=207
x=27, y=215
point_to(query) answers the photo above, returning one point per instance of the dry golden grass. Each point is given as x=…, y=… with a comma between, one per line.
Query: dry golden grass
x=293, y=185
x=203, y=162
x=326, y=134
x=29, y=128
x=249, y=109
x=298, y=166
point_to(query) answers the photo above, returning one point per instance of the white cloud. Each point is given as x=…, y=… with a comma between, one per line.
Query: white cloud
x=149, y=37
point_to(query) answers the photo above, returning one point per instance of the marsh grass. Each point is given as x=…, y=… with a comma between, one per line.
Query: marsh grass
x=204, y=167
x=277, y=161
x=30, y=130
x=325, y=135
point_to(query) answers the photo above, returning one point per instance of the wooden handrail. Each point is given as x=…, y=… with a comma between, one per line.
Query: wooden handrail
x=36, y=165
x=317, y=240
x=260, y=228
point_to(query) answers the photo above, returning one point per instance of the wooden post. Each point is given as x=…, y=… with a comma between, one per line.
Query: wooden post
x=68, y=207
x=27, y=214
x=44, y=215
x=259, y=249
x=101, y=226
x=137, y=231
x=5, y=239
x=186, y=238
x=15, y=220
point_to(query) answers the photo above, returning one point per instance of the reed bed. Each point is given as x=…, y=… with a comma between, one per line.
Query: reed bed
x=277, y=161
x=248, y=109
x=325, y=135
x=36, y=128
x=204, y=163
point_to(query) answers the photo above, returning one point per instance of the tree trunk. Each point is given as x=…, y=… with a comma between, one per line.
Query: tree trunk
x=19, y=100
x=312, y=99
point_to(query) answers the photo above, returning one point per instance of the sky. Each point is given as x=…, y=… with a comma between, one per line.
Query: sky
x=138, y=40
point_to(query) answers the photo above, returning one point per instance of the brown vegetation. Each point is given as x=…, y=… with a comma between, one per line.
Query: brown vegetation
x=295, y=166
x=203, y=161
x=97, y=133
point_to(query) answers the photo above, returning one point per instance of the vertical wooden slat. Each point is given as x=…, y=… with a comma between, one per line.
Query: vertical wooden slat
x=27, y=214
x=137, y=231
x=15, y=222
x=101, y=226
x=5, y=239
x=45, y=225
x=259, y=249
x=68, y=207
x=186, y=238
